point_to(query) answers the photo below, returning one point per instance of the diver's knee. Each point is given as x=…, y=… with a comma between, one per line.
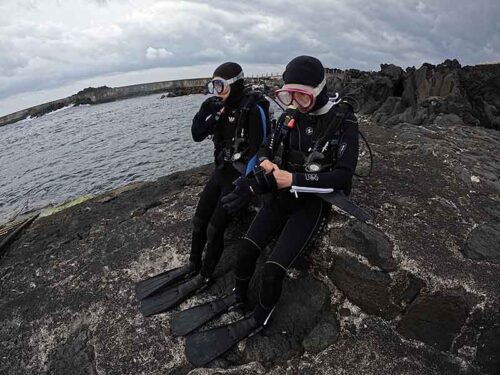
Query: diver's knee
x=273, y=274
x=248, y=247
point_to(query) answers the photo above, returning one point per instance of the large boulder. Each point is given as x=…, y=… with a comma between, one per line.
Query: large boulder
x=436, y=319
x=482, y=88
x=425, y=95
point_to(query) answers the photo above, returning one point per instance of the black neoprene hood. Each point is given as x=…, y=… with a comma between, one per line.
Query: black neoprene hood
x=227, y=70
x=230, y=70
x=309, y=71
x=304, y=70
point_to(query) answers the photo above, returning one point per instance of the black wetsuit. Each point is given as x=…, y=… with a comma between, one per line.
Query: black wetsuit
x=210, y=219
x=296, y=219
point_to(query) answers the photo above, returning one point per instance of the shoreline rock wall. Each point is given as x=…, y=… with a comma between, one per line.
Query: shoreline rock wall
x=432, y=94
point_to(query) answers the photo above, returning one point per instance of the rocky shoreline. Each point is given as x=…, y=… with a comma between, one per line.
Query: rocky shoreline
x=415, y=291
x=443, y=94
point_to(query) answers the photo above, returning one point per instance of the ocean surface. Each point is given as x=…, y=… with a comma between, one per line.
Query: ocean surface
x=91, y=149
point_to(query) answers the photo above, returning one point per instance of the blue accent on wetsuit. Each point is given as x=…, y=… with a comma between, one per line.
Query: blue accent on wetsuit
x=253, y=161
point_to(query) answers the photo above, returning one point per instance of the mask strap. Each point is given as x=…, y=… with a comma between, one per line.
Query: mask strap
x=234, y=79
x=319, y=88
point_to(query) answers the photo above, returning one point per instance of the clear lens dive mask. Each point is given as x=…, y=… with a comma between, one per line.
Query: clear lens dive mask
x=217, y=86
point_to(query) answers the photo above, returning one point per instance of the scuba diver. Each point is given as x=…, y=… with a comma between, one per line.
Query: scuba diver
x=237, y=119
x=307, y=164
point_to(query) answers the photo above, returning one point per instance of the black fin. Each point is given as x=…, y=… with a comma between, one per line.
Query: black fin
x=203, y=347
x=188, y=320
x=339, y=200
x=151, y=285
x=172, y=296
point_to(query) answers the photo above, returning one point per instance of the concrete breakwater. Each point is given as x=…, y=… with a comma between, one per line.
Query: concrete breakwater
x=105, y=94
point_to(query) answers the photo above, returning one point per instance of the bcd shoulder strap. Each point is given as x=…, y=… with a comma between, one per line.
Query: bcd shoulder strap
x=252, y=98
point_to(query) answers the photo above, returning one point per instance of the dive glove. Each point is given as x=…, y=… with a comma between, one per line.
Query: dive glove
x=210, y=106
x=240, y=196
x=209, y=109
x=266, y=183
x=246, y=188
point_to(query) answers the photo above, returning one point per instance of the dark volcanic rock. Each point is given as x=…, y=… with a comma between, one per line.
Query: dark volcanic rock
x=253, y=368
x=393, y=71
x=375, y=349
x=406, y=298
x=373, y=244
x=482, y=85
x=93, y=95
x=75, y=356
x=364, y=286
x=478, y=340
x=488, y=346
x=484, y=243
x=50, y=107
x=436, y=319
x=323, y=335
x=427, y=94
x=376, y=292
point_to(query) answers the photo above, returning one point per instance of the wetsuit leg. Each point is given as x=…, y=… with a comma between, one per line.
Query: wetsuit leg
x=266, y=224
x=204, y=210
x=218, y=223
x=303, y=223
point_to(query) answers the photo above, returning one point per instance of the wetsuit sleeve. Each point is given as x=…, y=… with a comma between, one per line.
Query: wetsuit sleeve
x=347, y=157
x=205, y=119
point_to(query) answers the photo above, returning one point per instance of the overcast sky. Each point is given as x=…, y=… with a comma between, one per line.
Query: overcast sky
x=51, y=49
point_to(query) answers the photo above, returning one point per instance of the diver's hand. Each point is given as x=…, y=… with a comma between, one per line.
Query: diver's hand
x=265, y=182
x=240, y=196
x=210, y=106
x=268, y=166
x=283, y=178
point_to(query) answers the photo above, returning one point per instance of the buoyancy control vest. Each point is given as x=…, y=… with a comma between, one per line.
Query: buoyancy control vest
x=315, y=145
x=235, y=140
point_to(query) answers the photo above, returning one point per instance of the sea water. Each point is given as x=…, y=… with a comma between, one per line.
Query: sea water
x=90, y=149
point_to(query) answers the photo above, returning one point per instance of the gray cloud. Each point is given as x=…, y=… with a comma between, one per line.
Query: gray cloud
x=49, y=44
